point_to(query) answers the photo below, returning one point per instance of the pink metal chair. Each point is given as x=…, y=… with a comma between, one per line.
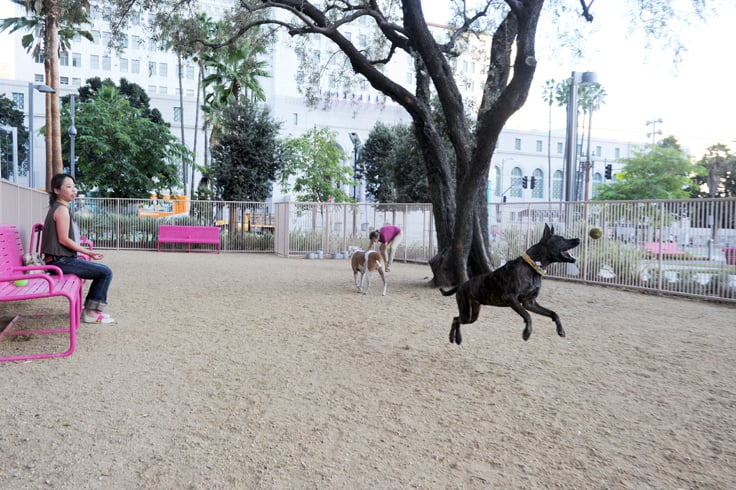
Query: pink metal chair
x=45, y=281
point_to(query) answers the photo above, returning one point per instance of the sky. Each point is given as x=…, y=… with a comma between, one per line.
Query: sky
x=695, y=98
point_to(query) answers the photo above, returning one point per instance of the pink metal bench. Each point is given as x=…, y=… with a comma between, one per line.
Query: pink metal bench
x=40, y=284
x=664, y=248
x=189, y=235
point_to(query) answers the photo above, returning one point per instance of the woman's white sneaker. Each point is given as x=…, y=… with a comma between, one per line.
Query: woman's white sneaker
x=98, y=317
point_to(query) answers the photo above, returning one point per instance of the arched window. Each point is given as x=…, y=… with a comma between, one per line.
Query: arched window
x=515, y=182
x=538, y=191
x=497, y=180
x=557, y=185
x=597, y=180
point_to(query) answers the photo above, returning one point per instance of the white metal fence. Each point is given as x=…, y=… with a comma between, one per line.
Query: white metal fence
x=679, y=247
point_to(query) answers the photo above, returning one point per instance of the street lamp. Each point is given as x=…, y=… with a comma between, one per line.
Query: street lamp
x=655, y=131
x=72, y=136
x=356, y=146
x=43, y=88
x=571, y=139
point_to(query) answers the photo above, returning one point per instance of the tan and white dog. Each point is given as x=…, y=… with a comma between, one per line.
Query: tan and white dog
x=365, y=262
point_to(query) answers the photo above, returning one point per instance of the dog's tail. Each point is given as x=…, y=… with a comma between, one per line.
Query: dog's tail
x=449, y=292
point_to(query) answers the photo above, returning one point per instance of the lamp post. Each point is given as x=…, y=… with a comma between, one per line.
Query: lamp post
x=655, y=131
x=356, y=146
x=43, y=88
x=571, y=136
x=72, y=137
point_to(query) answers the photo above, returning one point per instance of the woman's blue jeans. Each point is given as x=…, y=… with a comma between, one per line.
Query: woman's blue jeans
x=99, y=274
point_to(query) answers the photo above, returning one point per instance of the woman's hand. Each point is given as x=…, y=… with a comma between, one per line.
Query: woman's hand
x=96, y=255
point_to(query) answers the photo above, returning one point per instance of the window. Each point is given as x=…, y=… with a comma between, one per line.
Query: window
x=77, y=60
x=538, y=191
x=135, y=66
x=94, y=62
x=106, y=63
x=190, y=72
x=124, y=65
x=190, y=92
x=151, y=90
x=135, y=19
x=77, y=82
x=124, y=41
x=19, y=100
x=64, y=59
x=106, y=38
x=177, y=114
x=617, y=153
x=598, y=151
x=295, y=118
x=163, y=69
x=560, y=148
x=63, y=80
x=162, y=90
x=515, y=182
x=497, y=180
x=517, y=144
x=362, y=41
x=39, y=57
x=597, y=180
x=557, y=185
x=151, y=68
x=96, y=37
x=152, y=45
x=539, y=146
x=135, y=42
x=39, y=78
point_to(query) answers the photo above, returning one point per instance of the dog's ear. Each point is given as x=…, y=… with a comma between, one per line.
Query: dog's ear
x=548, y=232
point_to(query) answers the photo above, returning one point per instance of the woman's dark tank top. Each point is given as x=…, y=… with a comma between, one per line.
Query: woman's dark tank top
x=50, y=241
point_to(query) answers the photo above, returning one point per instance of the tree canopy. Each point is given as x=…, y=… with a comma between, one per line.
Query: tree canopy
x=660, y=171
x=247, y=157
x=123, y=153
x=314, y=167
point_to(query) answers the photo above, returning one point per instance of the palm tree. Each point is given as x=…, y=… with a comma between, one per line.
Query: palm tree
x=57, y=22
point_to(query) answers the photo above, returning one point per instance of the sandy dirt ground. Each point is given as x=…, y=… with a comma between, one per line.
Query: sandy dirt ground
x=253, y=371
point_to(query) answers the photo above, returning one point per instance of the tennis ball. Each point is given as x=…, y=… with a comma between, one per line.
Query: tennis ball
x=595, y=233
x=21, y=282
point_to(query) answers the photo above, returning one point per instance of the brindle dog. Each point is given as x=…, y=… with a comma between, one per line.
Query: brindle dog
x=515, y=284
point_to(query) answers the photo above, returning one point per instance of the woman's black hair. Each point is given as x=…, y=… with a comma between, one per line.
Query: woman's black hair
x=56, y=182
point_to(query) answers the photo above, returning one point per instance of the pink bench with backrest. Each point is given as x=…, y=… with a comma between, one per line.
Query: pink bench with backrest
x=189, y=235
x=41, y=284
x=665, y=248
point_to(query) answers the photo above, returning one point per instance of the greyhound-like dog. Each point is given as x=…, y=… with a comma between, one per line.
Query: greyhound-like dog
x=516, y=284
x=365, y=262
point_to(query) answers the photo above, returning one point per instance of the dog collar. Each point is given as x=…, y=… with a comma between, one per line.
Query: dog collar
x=535, y=265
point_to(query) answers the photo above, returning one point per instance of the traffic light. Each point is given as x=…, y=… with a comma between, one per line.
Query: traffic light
x=525, y=182
x=609, y=167
x=532, y=182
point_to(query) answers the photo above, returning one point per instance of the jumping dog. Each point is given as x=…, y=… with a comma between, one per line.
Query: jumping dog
x=516, y=284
